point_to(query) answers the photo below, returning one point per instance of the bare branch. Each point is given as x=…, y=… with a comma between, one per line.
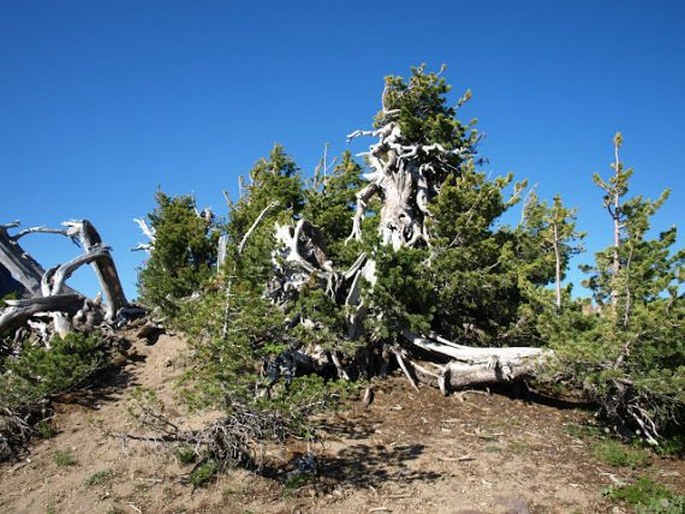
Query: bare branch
x=19, y=311
x=403, y=366
x=254, y=226
x=104, y=267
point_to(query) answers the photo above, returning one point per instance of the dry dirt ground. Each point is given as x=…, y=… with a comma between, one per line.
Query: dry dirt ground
x=408, y=452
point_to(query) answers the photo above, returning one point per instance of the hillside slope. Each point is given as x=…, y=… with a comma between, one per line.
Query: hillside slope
x=407, y=452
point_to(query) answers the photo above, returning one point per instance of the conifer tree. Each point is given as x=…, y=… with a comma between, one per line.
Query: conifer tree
x=552, y=230
x=183, y=255
x=632, y=357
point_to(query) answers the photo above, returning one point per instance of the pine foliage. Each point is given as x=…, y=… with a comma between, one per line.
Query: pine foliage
x=475, y=280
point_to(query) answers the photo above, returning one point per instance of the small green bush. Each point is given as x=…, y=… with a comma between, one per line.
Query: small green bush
x=64, y=458
x=204, y=473
x=674, y=505
x=45, y=430
x=99, y=478
x=297, y=481
x=672, y=445
x=619, y=455
x=186, y=454
x=575, y=430
x=38, y=373
x=649, y=497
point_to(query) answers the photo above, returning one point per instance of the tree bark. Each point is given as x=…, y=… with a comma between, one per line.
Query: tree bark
x=477, y=366
x=21, y=266
x=405, y=177
x=20, y=311
x=104, y=267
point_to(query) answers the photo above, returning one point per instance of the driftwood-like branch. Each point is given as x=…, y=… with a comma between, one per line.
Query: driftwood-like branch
x=104, y=267
x=39, y=230
x=57, y=276
x=20, y=311
x=405, y=370
x=477, y=366
x=21, y=266
x=300, y=255
x=254, y=226
x=148, y=232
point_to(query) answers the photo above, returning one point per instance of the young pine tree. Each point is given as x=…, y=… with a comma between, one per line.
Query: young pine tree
x=632, y=357
x=183, y=256
x=551, y=233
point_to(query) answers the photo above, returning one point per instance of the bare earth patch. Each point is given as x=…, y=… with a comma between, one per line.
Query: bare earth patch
x=407, y=452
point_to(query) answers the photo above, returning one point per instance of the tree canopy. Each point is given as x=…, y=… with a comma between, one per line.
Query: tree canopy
x=372, y=264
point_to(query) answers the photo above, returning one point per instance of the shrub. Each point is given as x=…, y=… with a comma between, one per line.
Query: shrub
x=649, y=497
x=64, y=458
x=29, y=380
x=39, y=373
x=99, y=478
x=204, y=473
x=619, y=455
x=183, y=255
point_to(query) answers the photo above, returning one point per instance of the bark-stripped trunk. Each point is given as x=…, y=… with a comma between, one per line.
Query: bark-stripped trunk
x=20, y=311
x=104, y=267
x=406, y=176
x=47, y=291
x=20, y=265
x=557, y=265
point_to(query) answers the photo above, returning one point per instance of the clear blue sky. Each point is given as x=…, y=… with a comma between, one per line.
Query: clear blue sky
x=102, y=102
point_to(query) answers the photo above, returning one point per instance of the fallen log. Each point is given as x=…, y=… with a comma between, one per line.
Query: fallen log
x=469, y=367
x=19, y=312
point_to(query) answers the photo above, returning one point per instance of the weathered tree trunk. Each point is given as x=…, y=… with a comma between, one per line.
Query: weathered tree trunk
x=405, y=176
x=103, y=265
x=475, y=366
x=47, y=290
x=20, y=311
x=21, y=266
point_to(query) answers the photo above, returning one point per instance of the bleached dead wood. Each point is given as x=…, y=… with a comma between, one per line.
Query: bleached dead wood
x=104, y=267
x=476, y=366
x=148, y=232
x=406, y=176
x=254, y=226
x=21, y=266
x=53, y=280
x=19, y=312
x=50, y=294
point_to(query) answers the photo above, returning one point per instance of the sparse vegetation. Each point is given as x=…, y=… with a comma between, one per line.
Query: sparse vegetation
x=186, y=454
x=45, y=430
x=325, y=284
x=64, y=458
x=453, y=270
x=31, y=379
x=620, y=455
x=649, y=497
x=203, y=473
x=99, y=478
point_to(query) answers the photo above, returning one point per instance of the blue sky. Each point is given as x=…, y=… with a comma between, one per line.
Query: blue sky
x=103, y=102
